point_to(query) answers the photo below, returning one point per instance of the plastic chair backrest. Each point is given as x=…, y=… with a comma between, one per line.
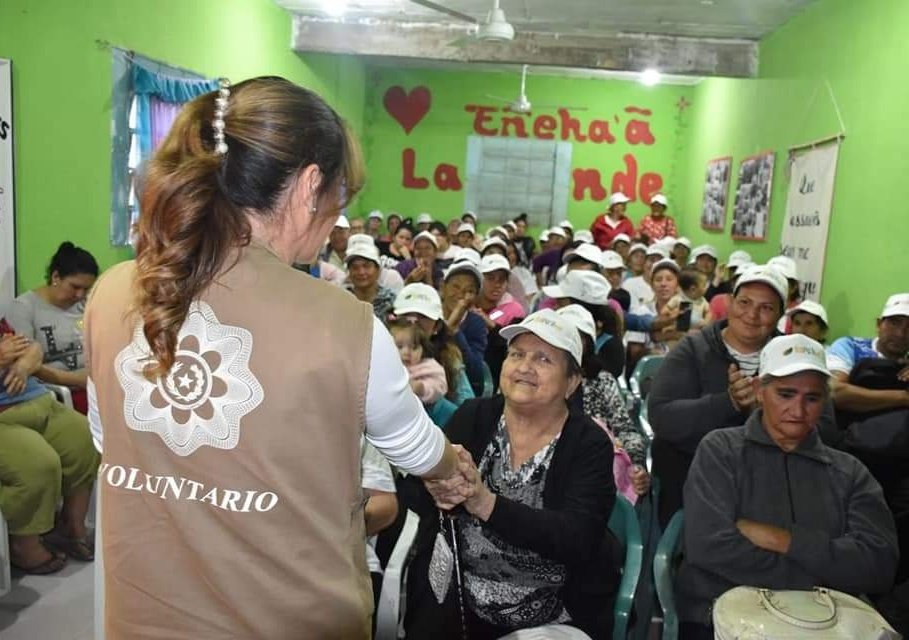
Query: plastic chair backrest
x=623, y=522
x=389, y=609
x=643, y=375
x=488, y=384
x=602, y=339
x=667, y=551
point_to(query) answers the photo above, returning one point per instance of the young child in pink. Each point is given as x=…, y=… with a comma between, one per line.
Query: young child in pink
x=427, y=377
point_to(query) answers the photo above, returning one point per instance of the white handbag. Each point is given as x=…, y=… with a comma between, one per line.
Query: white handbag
x=746, y=613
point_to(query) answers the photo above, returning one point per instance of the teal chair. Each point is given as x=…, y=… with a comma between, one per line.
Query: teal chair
x=667, y=553
x=624, y=525
x=488, y=385
x=644, y=373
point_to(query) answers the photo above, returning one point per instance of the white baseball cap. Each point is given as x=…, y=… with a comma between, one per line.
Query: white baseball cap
x=425, y=235
x=494, y=262
x=494, y=242
x=685, y=242
x=586, y=252
x=566, y=224
x=469, y=213
x=583, y=235
x=501, y=231
x=419, y=298
x=659, y=199
x=785, y=265
x=897, y=305
x=362, y=250
x=466, y=227
x=360, y=238
x=612, y=260
x=511, y=225
x=665, y=263
x=703, y=250
x=738, y=258
x=787, y=355
x=637, y=246
x=342, y=222
x=618, y=198
x=812, y=307
x=657, y=249
x=561, y=273
x=766, y=275
x=622, y=237
x=586, y=286
x=424, y=218
x=552, y=329
x=581, y=318
x=544, y=235
x=466, y=254
x=375, y=213
x=558, y=231
x=463, y=266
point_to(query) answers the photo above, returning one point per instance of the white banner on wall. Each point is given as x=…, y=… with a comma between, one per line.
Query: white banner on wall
x=7, y=199
x=808, y=205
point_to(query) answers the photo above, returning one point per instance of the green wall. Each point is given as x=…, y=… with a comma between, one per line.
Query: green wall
x=62, y=87
x=441, y=136
x=860, y=48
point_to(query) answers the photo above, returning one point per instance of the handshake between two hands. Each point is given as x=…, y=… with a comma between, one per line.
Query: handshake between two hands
x=465, y=488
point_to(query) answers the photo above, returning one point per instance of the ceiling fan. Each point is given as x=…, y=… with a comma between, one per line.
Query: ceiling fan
x=495, y=28
x=521, y=104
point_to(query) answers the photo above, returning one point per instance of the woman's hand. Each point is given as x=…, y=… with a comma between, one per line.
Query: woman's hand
x=480, y=501
x=12, y=347
x=460, y=310
x=418, y=274
x=16, y=378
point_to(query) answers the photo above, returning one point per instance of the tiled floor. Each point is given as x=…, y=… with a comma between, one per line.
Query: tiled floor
x=57, y=607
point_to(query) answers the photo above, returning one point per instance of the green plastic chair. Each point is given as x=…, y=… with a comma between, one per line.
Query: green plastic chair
x=488, y=385
x=624, y=525
x=667, y=552
x=644, y=373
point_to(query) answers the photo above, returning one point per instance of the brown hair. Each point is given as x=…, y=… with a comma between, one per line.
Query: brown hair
x=195, y=202
x=417, y=335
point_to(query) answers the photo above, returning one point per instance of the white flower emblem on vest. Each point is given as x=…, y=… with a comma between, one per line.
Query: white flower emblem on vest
x=204, y=396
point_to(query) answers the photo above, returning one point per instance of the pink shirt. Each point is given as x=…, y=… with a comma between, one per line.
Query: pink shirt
x=507, y=311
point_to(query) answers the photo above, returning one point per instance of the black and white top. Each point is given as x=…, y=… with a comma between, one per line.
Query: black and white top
x=505, y=585
x=603, y=400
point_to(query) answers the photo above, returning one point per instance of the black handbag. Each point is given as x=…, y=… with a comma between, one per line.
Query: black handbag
x=883, y=433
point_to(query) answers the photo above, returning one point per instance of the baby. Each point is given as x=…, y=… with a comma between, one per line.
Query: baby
x=427, y=377
x=692, y=287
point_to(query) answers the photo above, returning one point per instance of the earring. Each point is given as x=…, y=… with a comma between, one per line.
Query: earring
x=313, y=209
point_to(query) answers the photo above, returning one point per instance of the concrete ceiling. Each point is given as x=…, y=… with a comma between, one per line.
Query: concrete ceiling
x=685, y=37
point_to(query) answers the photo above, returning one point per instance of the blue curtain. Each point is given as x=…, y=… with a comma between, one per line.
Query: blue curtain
x=136, y=76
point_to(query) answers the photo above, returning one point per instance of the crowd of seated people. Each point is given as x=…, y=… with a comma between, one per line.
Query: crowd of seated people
x=554, y=329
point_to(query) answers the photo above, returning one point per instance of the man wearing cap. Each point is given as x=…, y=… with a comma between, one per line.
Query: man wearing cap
x=336, y=248
x=657, y=225
x=374, y=223
x=608, y=225
x=768, y=504
x=423, y=267
x=705, y=383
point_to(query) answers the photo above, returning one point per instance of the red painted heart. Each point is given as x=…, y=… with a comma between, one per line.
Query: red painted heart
x=408, y=108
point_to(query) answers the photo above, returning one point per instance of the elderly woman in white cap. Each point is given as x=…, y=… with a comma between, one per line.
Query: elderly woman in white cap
x=657, y=225
x=363, y=270
x=608, y=225
x=532, y=536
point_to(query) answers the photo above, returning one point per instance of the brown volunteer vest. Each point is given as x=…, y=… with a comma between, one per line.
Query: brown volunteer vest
x=231, y=488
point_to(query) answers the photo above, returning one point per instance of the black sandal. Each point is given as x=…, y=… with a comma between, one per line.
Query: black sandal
x=56, y=563
x=82, y=549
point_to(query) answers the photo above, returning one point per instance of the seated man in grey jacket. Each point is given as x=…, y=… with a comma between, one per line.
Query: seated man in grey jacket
x=769, y=505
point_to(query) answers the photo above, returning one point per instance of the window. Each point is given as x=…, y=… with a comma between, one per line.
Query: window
x=147, y=95
x=510, y=176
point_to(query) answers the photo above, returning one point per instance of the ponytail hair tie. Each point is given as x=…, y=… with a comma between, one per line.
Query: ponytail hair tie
x=218, y=123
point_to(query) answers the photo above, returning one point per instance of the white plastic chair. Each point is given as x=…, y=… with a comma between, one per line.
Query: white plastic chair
x=389, y=610
x=5, y=580
x=63, y=394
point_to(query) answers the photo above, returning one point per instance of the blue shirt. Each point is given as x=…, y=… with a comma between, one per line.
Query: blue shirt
x=33, y=389
x=845, y=352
